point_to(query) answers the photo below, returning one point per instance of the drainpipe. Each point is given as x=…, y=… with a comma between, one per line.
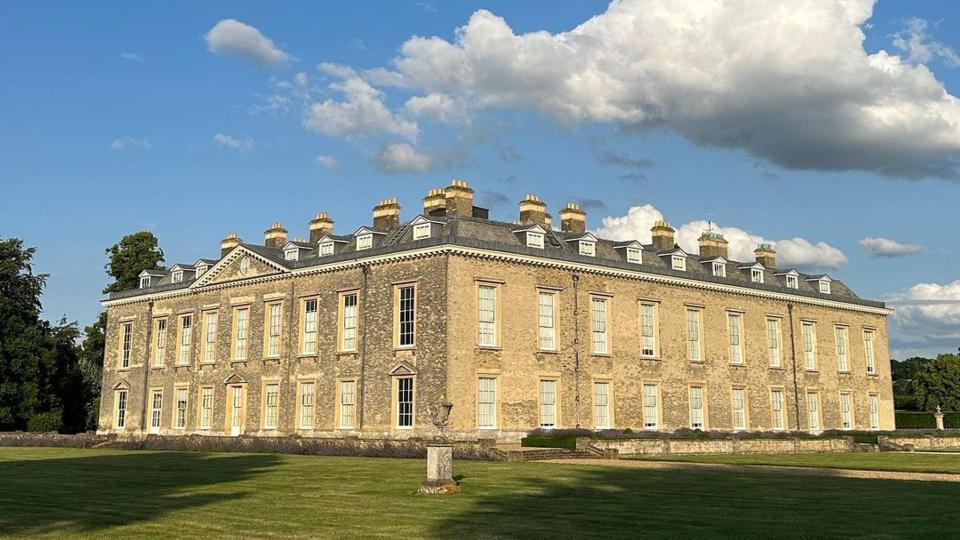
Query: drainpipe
x=793, y=356
x=292, y=352
x=576, y=345
x=146, y=367
x=363, y=344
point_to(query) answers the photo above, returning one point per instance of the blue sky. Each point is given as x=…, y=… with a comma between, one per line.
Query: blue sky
x=117, y=117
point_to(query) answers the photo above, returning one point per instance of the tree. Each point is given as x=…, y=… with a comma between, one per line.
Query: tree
x=903, y=373
x=91, y=365
x=39, y=367
x=133, y=254
x=938, y=383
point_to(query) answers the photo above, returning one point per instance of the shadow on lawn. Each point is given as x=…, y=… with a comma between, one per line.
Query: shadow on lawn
x=88, y=493
x=565, y=501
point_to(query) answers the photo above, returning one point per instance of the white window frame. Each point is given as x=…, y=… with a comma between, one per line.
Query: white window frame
x=156, y=409
x=601, y=405
x=307, y=404
x=678, y=262
x=824, y=286
x=846, y=411
x=180, y=407
x=120, y=410
x=599, y=325
x=874, y=403
x=793, y=282
x=842, y=338
x=648, y=330
x=160, y=343
x=813, y=412
x=185, y=346
x=176, y=276
x=487, y=323
x=144, y=282
x=487, y=402
x=756, y=275
x=735, y=338
x=776, y=409
x=719, y=269
x=211, y=320
x=201, y=269
x=404, y=418
x=634, y=255
x=308, y=343
x=548, y=403
x=271, y=405
x=241, y=335
x=547, y=320
x=808, y=331
x=347, y=398
x=587, y=248
x=421, y=231
x=126, y=344
x=349, y=321
x=274, y=329
x=326, y=249
x=651, y=406
x=364, y=241
x=535, y=239
x=206, y=407
x=291, y=254
x=738, y=409
x=869, y=352
x=406, y=316
x=694, y=334
x=774, y=343
x=698, y=414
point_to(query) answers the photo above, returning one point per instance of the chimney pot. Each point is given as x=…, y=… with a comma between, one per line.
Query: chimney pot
x=320, y=225
x=228, y=243
x=275, y=236
x=459, y=198
x=713, y=244
x=573, y=219
x=534, y=211
x=386, y=215
x=663, y=239
x=767, y=256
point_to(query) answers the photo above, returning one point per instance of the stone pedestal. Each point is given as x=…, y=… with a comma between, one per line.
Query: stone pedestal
x=938, y=416
x=439, y=471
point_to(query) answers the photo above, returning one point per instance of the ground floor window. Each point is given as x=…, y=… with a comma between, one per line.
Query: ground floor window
x=206, y=407
x=696, y=407
x=121, y=408
x=487, y=403
x=306, y=405
x=874, y=411
x=738, y=403
x=651, y=410
x=548, y=404
x=181, y=408
x=846, y=410
x=776, y=405
x=347, y=404
x=813, y=411
x=271, y=406
x=405, y=402
x=601, y=405
x=156, y=408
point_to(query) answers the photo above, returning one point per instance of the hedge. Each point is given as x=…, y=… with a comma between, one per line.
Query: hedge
x=925, y=420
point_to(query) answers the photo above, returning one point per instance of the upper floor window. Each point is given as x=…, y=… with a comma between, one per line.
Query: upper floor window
x=185, y=339
x=634, y=255
x=406, y=315
x=809, y=332
x=719, y=269
x=487, y=315
x=126, y=338
x=326, y=248
x=840, y=333
x=735, y=334
x=868, y=351
x=588, y=248
x=291, y=254
x=421, y=230
x=648, y=330
x=535, y=239
x=144, y=282
x=756, y=275
x=824, y=286
x=201, y=269
x=793, y=282
x=177, y=276
x=678, y=262
x=546, y=309
x=598, y=316
x=348, y=321
x=308, y=325
x=365, y=241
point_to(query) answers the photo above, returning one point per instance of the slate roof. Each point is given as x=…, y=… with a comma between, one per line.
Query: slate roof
x=502, y=236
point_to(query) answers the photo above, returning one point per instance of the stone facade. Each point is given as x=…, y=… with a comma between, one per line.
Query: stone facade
x=226, y=391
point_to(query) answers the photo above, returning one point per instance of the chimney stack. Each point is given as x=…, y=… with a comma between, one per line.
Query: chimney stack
x=573, y=219
x=662, y=234
x=275, y=236
x=435, y=203
x=767, y=256
x=459, y=197
x=712, y=244
x=228, y=243
x=534, y=211
x=386, y=215
x=319, y=226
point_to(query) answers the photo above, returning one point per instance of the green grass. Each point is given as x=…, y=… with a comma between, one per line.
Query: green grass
x=110, y=493
x=944, y=463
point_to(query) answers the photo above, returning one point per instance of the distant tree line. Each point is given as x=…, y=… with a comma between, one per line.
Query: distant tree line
x=921, y=384
x=50, y=375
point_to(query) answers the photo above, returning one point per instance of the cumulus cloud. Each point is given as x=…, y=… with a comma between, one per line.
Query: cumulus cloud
x=799, y=252
x=884, y=247
x=328, y=162
x=926, y=319
x=787, y=83
x=438, y=106
x=231, y=37
x=402, y=158
x=129, y=143
x=920, y=47
x=362, y=112
x=245, y=144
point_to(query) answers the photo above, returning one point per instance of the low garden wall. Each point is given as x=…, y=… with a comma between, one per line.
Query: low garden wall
x=921, y=442
x=666, y=445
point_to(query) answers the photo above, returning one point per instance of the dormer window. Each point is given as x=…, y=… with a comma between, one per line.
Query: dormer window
x=365, y=241
x=201, y=269
x=793, y=282
x=535, y=239
x=421, y=231
x=719, y=269
x=326, y=248
x=144, y=282
x=824, y=286
x=756, y=275
x=588, y=248
x=291, y=254
x=177, y=276
x=634, y=255
x=678, y=262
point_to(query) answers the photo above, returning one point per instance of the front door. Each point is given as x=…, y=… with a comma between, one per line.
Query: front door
x=236, y=410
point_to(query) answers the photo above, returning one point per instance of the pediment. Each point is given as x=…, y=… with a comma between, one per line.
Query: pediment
x=122, y=384
x=241, y=263
x=402, y=368
x=234, y=378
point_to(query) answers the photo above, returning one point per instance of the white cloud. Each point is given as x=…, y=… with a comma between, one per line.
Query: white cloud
x=361, y=113
x=920, y=47
x=328, y=162
x=440, y=107
x=926, y=318
x=789, y=83
x=884, y=247
x=129, y=143
x=402, y=158
x=133, y=57
x=233, y=38
x=245, y=144
x=636, y=224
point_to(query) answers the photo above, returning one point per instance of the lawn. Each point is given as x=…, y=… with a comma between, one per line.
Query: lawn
x=111, y=493
x=935, y=463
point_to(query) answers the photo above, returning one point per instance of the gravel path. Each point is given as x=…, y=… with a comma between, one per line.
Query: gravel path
x=768, y=469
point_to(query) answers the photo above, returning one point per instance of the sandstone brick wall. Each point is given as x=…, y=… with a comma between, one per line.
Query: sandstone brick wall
x=666, y=446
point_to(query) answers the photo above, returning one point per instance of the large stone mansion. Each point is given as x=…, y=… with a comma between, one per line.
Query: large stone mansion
x=518, y=325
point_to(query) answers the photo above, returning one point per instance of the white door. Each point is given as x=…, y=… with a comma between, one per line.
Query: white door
x=236, y=412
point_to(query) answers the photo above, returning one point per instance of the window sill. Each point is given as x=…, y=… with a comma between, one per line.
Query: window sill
x=776, y=368
x=238, y=361
x=489, y=348
x=601, y=355
x=545, y=351
x=156, y=368
x=844, y=372
x=655, y=358
x=817, y=371
x=874, y=374
x=207, y=364
x=272, y=359
x=738, y=364
x=347, y=353
x=405, y=348
x=307, y=355
x=179, y=366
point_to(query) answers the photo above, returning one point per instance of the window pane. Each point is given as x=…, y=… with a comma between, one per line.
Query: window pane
x=306, y=405
x=648, y=345
x=739, y=409
x=406, y=316
x=347, y=404
x=650, y=408
x=809, y=346
x=693, y=335
x=696, y=407
x=273, y=336
x=349, y=322
x=487, y=403
x=405, y=402
x=601, y=405
x=210, y=344
x=181, y=408
x=240, y=350
x=773, y=341
x=548, y=404
x=186, y=336
x=271, y=406
x=598, y=310
x=310, y=326
x=776, y=403
x=487, y=324
x=547, y=337
x=206, y=408
x=733, y=323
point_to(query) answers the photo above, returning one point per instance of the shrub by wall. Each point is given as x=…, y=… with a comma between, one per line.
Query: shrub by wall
x=45, y=422
x=926, y=420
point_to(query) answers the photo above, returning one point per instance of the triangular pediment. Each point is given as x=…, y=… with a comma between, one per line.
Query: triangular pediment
x=234, y=378
x=122, y=384
x=240, y=263
x=401, y=369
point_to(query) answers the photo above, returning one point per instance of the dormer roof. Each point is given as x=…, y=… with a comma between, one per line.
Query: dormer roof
x=331, y=238
x=152, y=273
x=185, y=267
x=368, y=230
x=628, y=244
x=586, y=237
x=717, y=259
x=530, y=228
x=754, y=266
